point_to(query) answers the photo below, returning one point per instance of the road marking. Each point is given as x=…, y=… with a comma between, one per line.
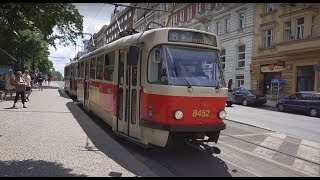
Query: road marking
x=279, y=135
x=310, y=143
x=269, y=142
x=256, y=134
x=309, y=153
x=270, y=160
x=306, y=166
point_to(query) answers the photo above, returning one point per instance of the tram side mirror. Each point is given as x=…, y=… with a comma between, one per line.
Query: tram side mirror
x=133, y=55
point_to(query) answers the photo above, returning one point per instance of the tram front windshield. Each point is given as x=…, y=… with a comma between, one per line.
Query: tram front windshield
x=193, y=66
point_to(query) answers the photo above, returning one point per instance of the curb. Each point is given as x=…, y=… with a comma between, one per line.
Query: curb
x=250, y=125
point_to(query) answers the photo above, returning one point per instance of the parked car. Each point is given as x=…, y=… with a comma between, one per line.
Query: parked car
x=303, y=101
x=249, y=97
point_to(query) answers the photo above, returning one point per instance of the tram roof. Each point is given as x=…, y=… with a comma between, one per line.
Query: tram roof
x=132, y=39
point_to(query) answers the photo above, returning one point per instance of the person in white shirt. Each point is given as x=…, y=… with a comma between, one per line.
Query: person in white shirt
x=27, y=79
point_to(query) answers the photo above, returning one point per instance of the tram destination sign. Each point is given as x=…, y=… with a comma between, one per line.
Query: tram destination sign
x=192, y=37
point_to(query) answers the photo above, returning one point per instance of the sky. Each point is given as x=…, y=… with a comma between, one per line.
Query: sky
x=95, y=16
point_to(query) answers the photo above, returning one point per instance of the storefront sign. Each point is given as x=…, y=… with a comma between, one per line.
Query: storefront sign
x=271, y=68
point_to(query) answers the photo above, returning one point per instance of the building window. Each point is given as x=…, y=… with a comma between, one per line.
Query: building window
x=217, y=28
x=241, y=20
x=219, y=5
x=175, y=17
x=164, y=6
x=226, y=25
x=189, y=15
x=223, y=58
x=241, y=56
x=207, y=28
x=182, y=15
x=198, y=8
x=300, y=28
x=267, y=38
x=207, y=5
x=269, y=7
x=313, y=26
x=305, y=78
x=240, y=80
x=287, y=31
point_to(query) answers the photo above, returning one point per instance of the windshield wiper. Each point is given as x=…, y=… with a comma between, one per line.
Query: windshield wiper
x=185, y=80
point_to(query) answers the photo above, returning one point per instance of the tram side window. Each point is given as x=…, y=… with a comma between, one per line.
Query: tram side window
x=66, y=72
x=109, y=66
x=82, y=70
x=78, y=70
x=157, y=68
x=100, y=62
x=93, y=68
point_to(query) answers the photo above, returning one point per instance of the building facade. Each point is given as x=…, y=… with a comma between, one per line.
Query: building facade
x=286, y=53
x=112, y=31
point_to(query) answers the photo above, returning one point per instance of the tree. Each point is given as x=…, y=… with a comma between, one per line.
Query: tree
x=27, y=29
x=42, y=17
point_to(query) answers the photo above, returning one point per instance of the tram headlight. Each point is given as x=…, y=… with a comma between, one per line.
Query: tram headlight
x=178, y=114
x=223, y=114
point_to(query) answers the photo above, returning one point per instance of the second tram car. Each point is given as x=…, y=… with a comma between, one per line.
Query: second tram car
x=159, y=87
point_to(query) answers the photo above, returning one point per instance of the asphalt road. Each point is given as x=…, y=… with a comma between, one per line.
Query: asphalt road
x=298, y=125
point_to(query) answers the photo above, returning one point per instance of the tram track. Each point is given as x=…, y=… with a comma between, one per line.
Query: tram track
x=275, y=150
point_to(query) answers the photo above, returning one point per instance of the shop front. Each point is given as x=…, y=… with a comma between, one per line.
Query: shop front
x=271, y=73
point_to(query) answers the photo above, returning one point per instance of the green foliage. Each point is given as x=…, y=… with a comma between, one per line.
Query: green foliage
x=26, y=31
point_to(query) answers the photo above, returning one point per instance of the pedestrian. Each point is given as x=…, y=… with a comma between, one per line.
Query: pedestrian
x=45, y=79
x=40, y=81
x=10, y=80
x=32, y=75
x=49, y=79
x=20, y=89
x=27, y=79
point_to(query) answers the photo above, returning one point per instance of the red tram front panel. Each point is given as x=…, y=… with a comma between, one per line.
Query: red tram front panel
x=196, y=110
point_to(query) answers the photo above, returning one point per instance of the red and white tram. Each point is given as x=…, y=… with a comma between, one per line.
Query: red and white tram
x=159, y=87
x=70, y=78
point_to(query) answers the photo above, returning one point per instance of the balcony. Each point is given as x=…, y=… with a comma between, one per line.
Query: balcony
x=205, y=16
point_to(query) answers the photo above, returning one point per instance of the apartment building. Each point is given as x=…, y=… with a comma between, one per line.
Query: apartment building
x=286, y=47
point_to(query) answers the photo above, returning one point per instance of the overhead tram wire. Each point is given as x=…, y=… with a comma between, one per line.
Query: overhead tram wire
x=95, y=17
x=138, y=7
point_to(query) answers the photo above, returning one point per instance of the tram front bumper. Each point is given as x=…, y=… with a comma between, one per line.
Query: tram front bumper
x=179, y=128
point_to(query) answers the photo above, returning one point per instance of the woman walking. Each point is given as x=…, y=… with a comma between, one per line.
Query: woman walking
x=9, y=85
x=20, y=89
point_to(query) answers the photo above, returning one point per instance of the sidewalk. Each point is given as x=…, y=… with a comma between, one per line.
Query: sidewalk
x=54, y=137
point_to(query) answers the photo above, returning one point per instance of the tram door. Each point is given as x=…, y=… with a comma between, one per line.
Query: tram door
x=128, y=97
x=86, y=84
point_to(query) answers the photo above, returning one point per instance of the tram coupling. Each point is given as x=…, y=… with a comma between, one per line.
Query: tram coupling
x=201, y=145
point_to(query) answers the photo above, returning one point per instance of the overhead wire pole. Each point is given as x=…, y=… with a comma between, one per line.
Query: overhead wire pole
x=130, y=24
